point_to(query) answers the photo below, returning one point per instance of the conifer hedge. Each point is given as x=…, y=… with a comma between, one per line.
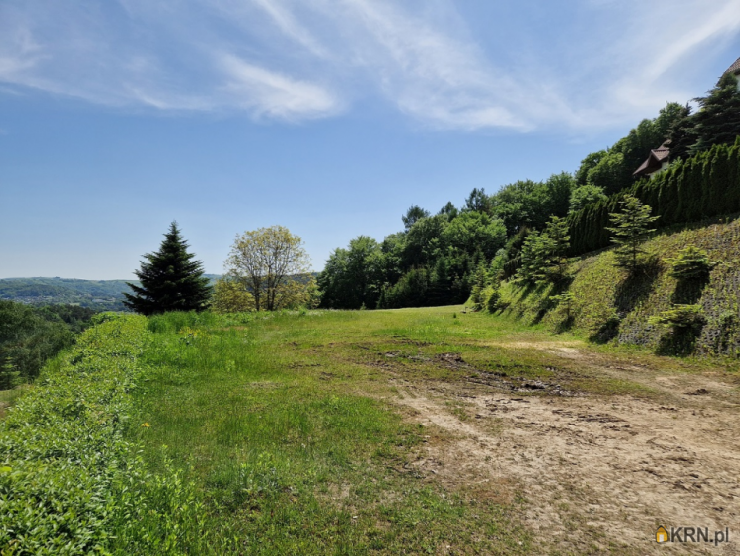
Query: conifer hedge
x=688, y=191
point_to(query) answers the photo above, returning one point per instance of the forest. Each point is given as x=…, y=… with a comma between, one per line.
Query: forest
x=438, y=258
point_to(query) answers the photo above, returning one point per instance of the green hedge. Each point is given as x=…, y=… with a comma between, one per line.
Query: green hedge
x=69, y=481
x=62, y=449
x=688, y=191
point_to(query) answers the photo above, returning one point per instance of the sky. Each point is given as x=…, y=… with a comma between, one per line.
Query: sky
x=328, y=117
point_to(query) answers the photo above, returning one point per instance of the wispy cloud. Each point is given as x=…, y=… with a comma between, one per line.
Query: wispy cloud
x=273, y=94
x=294, y=60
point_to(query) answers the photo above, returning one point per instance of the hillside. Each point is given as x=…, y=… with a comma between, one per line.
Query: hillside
x=609, y=306
x=101, y=295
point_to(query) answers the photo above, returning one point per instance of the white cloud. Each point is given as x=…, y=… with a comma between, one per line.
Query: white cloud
x=294, y=60
x=272, y=94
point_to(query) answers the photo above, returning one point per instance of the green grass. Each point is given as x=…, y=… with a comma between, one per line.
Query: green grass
x=281, y=423
x=275, y=433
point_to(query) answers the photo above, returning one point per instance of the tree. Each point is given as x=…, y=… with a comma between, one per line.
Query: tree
x=170, y=279
x=478, y=201
x=449, y=210
x=682, y=134
x=556, y=243
x=588, y=164
x=230, y=296
x=353, y=277
x=413, y=215
x=27, y=340
x=475, y=231
x=612, y=173
x=718, y=120
x=557, y=190
x=631, y=227
x=585, y=195
x=532, y=259
x=479, y=285
x=271, y=264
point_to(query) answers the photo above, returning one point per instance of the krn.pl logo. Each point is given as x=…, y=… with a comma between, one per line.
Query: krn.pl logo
x=661, y=534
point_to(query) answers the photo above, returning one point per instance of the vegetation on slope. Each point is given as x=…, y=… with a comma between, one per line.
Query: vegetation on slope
x=610, y=303
x=31, y=335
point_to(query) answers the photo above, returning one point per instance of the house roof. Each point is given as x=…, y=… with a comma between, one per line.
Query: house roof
x=654, y=161
x=734, y=68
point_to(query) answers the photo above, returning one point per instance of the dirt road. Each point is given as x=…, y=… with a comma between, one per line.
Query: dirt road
x=598, y=473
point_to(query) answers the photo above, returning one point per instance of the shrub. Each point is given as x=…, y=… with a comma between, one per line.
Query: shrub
x=565, y=301
x=691, y=263
x=680, y=317
x=69, y=481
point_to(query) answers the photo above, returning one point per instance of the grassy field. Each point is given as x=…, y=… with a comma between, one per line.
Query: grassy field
x=289, y=425
x=414, y=431
x=281, y=422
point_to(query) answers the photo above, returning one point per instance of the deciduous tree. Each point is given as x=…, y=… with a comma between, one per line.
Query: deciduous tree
x=272, y=265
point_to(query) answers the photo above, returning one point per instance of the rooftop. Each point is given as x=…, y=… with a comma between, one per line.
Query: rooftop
x=734, y=68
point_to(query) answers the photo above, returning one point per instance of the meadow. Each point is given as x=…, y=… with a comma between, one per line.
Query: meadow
x=412, y=431
x=280, y=421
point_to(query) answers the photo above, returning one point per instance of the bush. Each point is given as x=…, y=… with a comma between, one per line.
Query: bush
x=69, y=482
x=691, y=263
x=565, y=302
x=680, y=317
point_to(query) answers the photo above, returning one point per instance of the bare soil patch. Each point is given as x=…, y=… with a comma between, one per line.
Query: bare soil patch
x=599, y=473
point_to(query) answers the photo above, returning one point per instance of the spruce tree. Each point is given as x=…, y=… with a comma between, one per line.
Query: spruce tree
x=682, y=135
x=556, y=240
x=631, y=228
x=170, y=279
x=718, y=121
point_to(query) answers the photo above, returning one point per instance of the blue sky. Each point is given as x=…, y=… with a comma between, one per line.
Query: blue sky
x=329, y=117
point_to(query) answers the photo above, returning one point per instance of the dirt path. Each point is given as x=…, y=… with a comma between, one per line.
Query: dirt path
x=600, y=474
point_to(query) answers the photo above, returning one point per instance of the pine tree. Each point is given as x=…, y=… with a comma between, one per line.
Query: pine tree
x=479, y=284
x=556, y=245
x=631, y=228
x=533, y=258
x=718, y=121
x=682, y=135
x=170, y=279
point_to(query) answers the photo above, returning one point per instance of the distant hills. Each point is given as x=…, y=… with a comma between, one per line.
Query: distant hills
x=100, y=295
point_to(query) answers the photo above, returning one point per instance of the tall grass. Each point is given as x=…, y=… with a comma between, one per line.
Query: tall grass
x=290, y=446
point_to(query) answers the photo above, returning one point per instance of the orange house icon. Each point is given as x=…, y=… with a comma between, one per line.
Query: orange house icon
x=661, y=535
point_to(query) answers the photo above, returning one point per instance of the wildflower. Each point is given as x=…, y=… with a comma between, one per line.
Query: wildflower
x=145, y=425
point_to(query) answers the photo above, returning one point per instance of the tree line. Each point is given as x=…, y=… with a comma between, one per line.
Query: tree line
x=438, y=259
x=31, y=335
